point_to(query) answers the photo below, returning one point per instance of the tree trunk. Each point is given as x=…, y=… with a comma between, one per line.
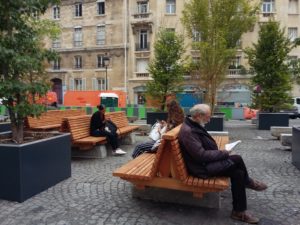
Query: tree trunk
x=163, y=103
x=18, y=132
x=17, y=127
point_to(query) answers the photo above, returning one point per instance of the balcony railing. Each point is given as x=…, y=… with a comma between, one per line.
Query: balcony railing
x=142, y=47
x=142, y=75
x=234, y=72
x=141, y=15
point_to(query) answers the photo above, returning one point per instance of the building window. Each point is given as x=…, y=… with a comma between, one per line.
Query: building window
x=101, y=35
x=142, y=65
x=268, y=6
x=56, y=12
x=170, y=6
x=100, y=62
x=99, y=84
x=142, y=7
x=78, y=84
x=292, y=33
x=101, y=7
x=77, y=37
x=78, y=62
x=293, y=6
x=235, y=62
x=56, y=64
x=196, y=36
x=56, y=43
x=143, y=40
x=78, y=9
x=141, y=98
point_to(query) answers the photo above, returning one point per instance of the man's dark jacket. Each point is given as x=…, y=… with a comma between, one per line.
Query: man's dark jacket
x=97, y=122
x=200, y=151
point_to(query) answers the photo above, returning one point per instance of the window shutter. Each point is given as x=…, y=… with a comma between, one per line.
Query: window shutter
x=83, y=84
x=94, y=84
x=71, y=84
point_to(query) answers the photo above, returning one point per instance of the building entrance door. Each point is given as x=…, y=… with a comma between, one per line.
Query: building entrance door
x=57, y=88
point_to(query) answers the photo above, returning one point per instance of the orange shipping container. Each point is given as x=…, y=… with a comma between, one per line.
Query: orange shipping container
x=90, y=98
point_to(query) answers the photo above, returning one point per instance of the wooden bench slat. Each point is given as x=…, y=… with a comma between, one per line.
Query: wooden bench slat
x=167, y=169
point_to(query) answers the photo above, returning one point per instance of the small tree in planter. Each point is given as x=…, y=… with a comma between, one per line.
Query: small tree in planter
x=218, y=25
x=269, y=59
x=22, y=59
x=167, y=66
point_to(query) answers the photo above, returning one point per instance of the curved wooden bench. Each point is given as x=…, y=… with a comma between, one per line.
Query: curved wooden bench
x=120, y=119
x=52, y=119
x=79, y=127
x=166, y=169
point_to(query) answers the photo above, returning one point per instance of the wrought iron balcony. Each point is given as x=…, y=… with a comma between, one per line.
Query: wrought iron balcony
x=142, y=47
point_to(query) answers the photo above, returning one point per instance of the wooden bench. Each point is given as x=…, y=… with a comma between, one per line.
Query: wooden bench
x=51, y=120
x=120, y=119
x=79, y=127
x=166, y=169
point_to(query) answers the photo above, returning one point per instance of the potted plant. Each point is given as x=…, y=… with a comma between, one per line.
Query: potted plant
x=28, y=165
x=214, y=22
x=166, y=70
x=268, y=58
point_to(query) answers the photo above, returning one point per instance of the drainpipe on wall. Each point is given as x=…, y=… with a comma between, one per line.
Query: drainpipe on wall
x=125, y=49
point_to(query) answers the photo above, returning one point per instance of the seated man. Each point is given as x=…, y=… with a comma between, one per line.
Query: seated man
x=203, y=160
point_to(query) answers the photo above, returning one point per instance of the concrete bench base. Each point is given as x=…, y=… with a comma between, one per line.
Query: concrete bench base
x=144, y=129
x=209, y=200
x=254, y=121
x=276, y=131
x=98, y=152
x=286, y=139
x=129, y=139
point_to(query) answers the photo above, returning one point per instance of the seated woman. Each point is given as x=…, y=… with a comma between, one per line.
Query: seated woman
x=175, y=117
x=98, y=129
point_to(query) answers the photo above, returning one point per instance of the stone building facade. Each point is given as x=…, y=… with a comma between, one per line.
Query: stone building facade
x=124, y=31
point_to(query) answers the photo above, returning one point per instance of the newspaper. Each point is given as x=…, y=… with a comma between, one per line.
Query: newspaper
x=230, y=146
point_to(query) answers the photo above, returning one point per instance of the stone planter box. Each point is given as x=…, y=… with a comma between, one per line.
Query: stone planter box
x=30, y=168
x=216, y=123
x=4, y=127
x=266, y=120
x=152, y=117
x=296, y=147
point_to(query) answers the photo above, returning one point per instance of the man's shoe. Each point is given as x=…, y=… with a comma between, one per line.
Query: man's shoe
x=256, y=185
x=120, y=152
x=244, y=217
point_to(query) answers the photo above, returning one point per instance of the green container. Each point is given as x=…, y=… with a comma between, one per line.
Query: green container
x=130, y=111
x=109, y=100
x=142, y=113
x=2, y=110
x=227, y=111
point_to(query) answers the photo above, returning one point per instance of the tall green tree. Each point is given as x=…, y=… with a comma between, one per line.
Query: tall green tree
x=268, y=58
x=23, y=58
x=219, y=25
x=166, y=67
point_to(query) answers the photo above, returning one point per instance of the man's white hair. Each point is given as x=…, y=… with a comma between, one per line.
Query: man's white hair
x=201, y=109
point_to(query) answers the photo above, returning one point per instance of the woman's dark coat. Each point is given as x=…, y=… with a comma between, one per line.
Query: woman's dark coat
x=97, y=121
x=200, y=151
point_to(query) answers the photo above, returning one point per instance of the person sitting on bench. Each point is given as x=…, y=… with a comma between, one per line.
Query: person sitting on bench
x=99, y=128
x=175, y=117
x=203, y=160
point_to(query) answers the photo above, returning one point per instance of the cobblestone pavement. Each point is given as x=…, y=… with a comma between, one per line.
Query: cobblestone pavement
x=93, y=196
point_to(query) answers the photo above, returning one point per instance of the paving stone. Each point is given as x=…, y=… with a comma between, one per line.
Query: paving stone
x=93, y=196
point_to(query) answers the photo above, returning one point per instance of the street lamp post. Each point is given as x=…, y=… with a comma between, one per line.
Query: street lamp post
x=106, y=61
